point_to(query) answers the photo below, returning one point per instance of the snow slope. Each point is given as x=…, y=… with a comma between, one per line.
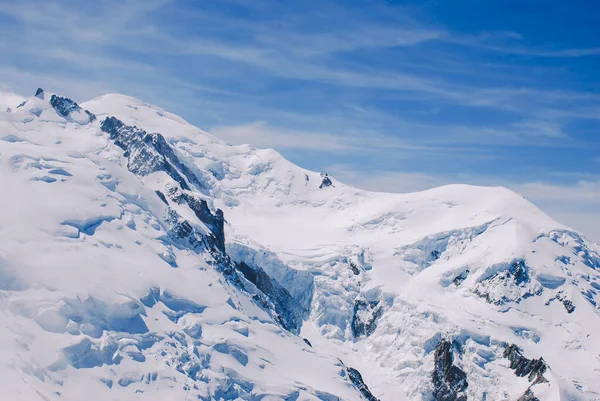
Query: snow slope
x=118, y=273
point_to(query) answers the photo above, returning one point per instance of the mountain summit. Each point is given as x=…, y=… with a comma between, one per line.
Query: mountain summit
x=143, y=257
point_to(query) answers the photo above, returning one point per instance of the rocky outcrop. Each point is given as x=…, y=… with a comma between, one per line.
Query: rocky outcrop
x=162, y=197
x=562, y=298
x=215, y=222
x=533, y=369
x=325, y=181
x=185, y=236
x=449, y=380
x=147, y=153
x=357, y=380
x=365, y=317
x=65, y=106
x=354, y=268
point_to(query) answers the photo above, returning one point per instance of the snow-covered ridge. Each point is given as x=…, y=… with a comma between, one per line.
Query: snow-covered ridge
x=141, y=254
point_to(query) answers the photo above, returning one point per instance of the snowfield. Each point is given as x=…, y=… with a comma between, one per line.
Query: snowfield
x=143, y=258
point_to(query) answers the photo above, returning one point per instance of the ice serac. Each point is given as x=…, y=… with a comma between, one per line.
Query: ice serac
x=144, y=257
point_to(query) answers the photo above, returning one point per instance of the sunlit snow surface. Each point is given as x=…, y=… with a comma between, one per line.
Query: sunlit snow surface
x=98, y=300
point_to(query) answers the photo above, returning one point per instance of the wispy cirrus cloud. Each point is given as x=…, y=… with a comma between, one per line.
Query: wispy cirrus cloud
x=277, y=51
x=261, y=135
x=366, y=84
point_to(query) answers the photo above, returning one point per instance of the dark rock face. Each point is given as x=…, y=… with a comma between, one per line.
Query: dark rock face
x=364, y=320
x=288, y=312
x=568, y=305
x=91, y=115
x=534, y=369
x=147, y=153
x=307, y=342
x=215, y=222
x=184, y=235
x=162, y=197
x=326, y=181
x=65, y=106
x=354, y=268
x=23, y=103
x=357, y=380
x=39, y=93
x=449, y=381
x=562, y=298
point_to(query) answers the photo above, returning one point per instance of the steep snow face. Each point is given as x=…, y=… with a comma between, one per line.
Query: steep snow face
x=141, y=254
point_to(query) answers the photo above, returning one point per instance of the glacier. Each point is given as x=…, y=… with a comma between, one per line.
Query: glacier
x=143, y=257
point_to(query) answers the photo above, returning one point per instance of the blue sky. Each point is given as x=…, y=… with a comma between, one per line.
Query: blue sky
x=385, y=95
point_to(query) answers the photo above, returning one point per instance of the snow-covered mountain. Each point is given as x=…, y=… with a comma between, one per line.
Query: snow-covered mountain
x=143, y=257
